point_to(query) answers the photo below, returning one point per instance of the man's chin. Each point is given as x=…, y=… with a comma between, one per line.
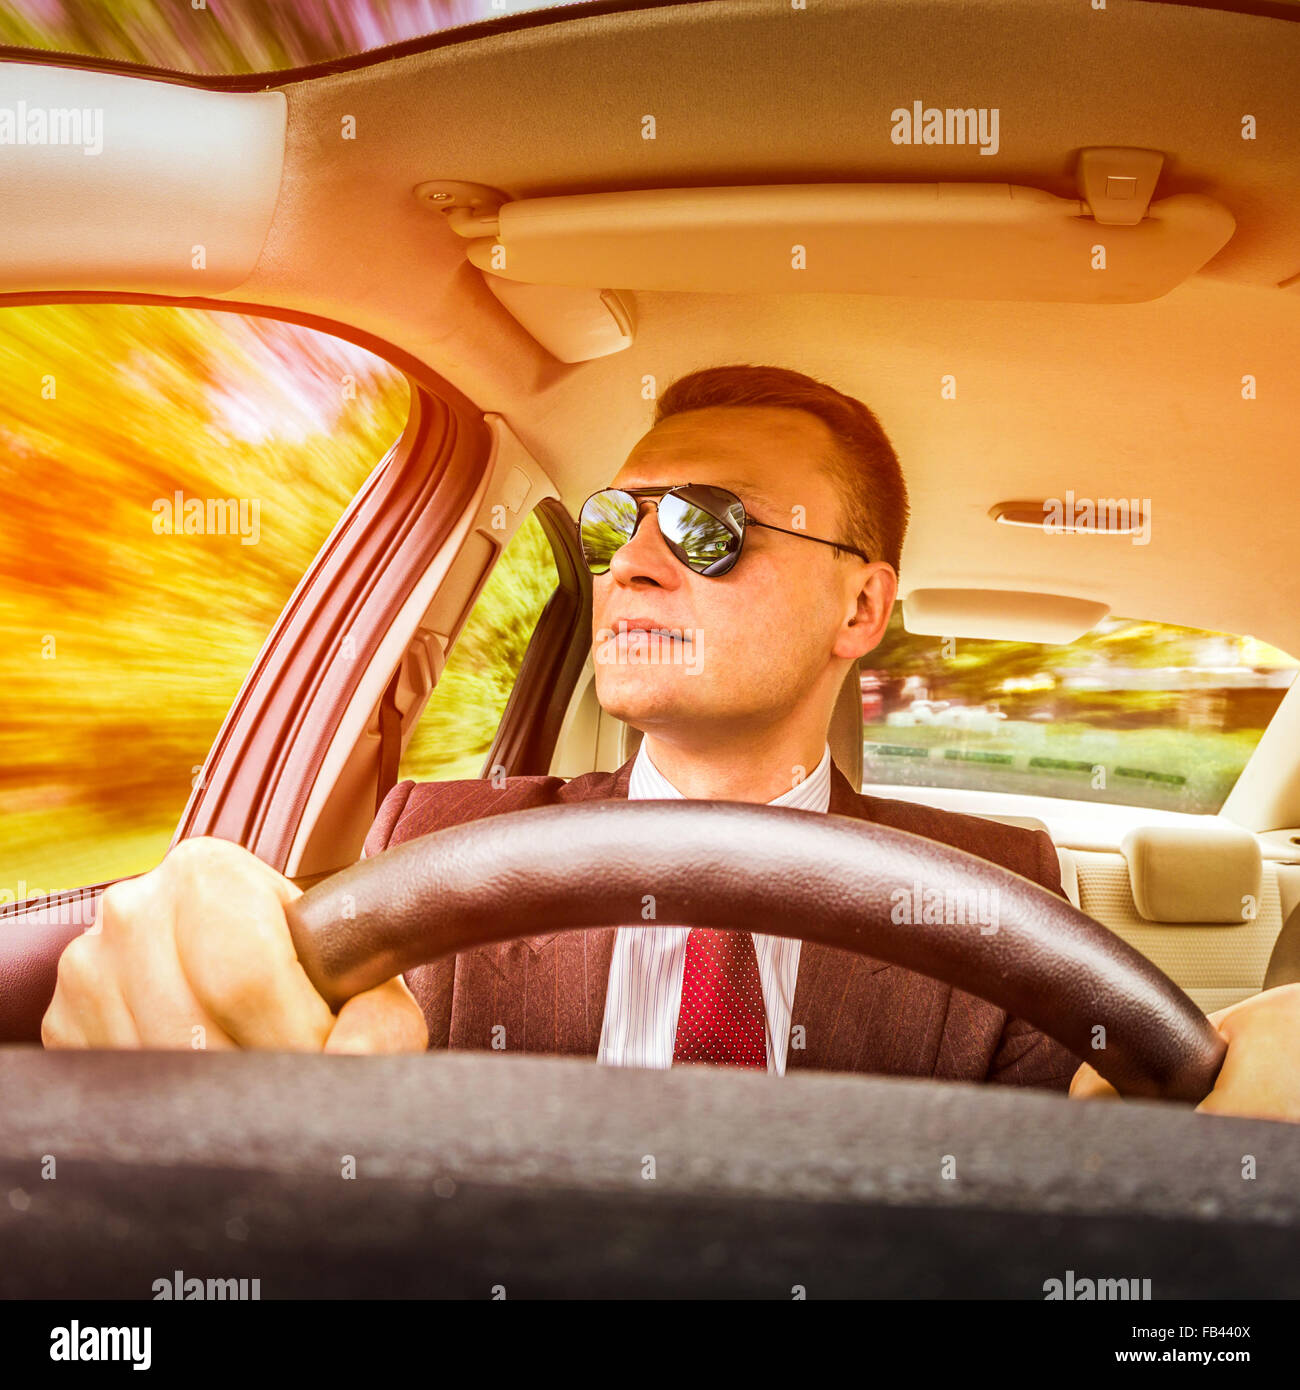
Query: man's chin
x=649, y=696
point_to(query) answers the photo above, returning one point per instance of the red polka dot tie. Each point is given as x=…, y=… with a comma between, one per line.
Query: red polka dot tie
x=721, y=1020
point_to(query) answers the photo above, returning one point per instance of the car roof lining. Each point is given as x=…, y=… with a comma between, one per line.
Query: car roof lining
x=1029, y=369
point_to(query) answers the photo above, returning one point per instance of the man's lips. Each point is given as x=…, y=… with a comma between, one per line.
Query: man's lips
x=621, y=626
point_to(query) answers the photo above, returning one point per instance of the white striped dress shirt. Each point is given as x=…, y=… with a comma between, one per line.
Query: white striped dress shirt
x=645, y=974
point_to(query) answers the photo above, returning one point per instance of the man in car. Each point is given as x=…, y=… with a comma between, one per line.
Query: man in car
x=743, y=558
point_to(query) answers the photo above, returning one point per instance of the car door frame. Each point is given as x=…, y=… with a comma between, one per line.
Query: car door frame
x=256, y=774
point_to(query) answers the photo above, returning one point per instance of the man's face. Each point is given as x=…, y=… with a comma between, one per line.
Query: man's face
x=756, y=642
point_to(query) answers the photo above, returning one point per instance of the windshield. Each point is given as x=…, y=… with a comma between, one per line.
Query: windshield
x=1136, y=713
x=215, y=39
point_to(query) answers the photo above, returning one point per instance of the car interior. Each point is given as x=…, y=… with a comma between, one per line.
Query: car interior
x=1104, y=298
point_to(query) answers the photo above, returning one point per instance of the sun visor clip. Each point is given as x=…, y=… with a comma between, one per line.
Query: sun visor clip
x=1117, y=184
x=470, y=208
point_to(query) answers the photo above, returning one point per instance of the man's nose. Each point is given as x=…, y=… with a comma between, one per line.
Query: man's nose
x=646, y=555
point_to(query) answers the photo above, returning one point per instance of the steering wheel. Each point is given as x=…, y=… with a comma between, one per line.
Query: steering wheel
x=740, y=867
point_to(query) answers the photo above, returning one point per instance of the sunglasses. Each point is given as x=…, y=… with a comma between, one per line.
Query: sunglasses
x=703, y=526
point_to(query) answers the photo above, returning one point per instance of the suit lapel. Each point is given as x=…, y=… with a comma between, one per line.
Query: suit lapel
x=562, y=978
x=598, y=942
x=597, y=786
x=836, y=992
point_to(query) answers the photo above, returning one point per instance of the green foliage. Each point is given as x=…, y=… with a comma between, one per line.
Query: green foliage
x=456, y=730
x=1180, y=769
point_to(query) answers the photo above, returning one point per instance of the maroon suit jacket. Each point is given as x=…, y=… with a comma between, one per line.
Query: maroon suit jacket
x=859, y=1014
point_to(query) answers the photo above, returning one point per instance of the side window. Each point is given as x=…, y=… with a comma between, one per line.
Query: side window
x=166, y=477
x=1135, y=713
x=459, y=723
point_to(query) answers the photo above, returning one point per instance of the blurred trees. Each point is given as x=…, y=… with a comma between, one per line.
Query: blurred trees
x=220, y=36
x=121, y=649
x=1111, y=674
x=460, y=722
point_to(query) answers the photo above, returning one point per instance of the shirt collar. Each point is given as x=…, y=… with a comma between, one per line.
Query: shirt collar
x=647, y=783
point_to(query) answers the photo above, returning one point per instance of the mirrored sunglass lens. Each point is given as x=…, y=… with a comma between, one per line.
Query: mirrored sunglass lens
x=607, y=523
x=702, y=526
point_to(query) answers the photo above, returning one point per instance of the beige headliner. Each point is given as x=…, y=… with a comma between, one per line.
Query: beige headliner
x=1138, y=401
x=1133, y=401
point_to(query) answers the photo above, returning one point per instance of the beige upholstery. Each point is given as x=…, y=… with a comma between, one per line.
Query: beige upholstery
x=1069, y=874
x=1216, y=964
x=1208, y=872
x=171, y=165
x=1175, y=894
x=1003, y=615
x=974, y=240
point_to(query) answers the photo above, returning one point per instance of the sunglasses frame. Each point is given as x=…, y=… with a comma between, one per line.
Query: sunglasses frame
x=640, y=495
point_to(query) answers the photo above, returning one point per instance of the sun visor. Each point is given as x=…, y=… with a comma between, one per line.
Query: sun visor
x=1001, y=615
x=944, y=240
x=572, y=325
x=120, y=183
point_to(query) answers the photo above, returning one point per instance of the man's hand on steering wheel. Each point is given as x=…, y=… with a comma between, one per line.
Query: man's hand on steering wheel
x=197, y=954
x=201, y=953
x=1260, y=1076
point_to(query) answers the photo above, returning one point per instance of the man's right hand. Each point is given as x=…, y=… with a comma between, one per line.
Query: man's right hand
x=197, y=954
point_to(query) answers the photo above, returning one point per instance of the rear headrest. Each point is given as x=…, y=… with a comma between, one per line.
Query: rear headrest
x=1210, y=872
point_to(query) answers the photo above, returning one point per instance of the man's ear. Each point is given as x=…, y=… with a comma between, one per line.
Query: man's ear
x=864, y=628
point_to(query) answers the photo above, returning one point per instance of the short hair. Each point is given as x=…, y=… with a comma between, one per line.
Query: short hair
x=864, y=467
